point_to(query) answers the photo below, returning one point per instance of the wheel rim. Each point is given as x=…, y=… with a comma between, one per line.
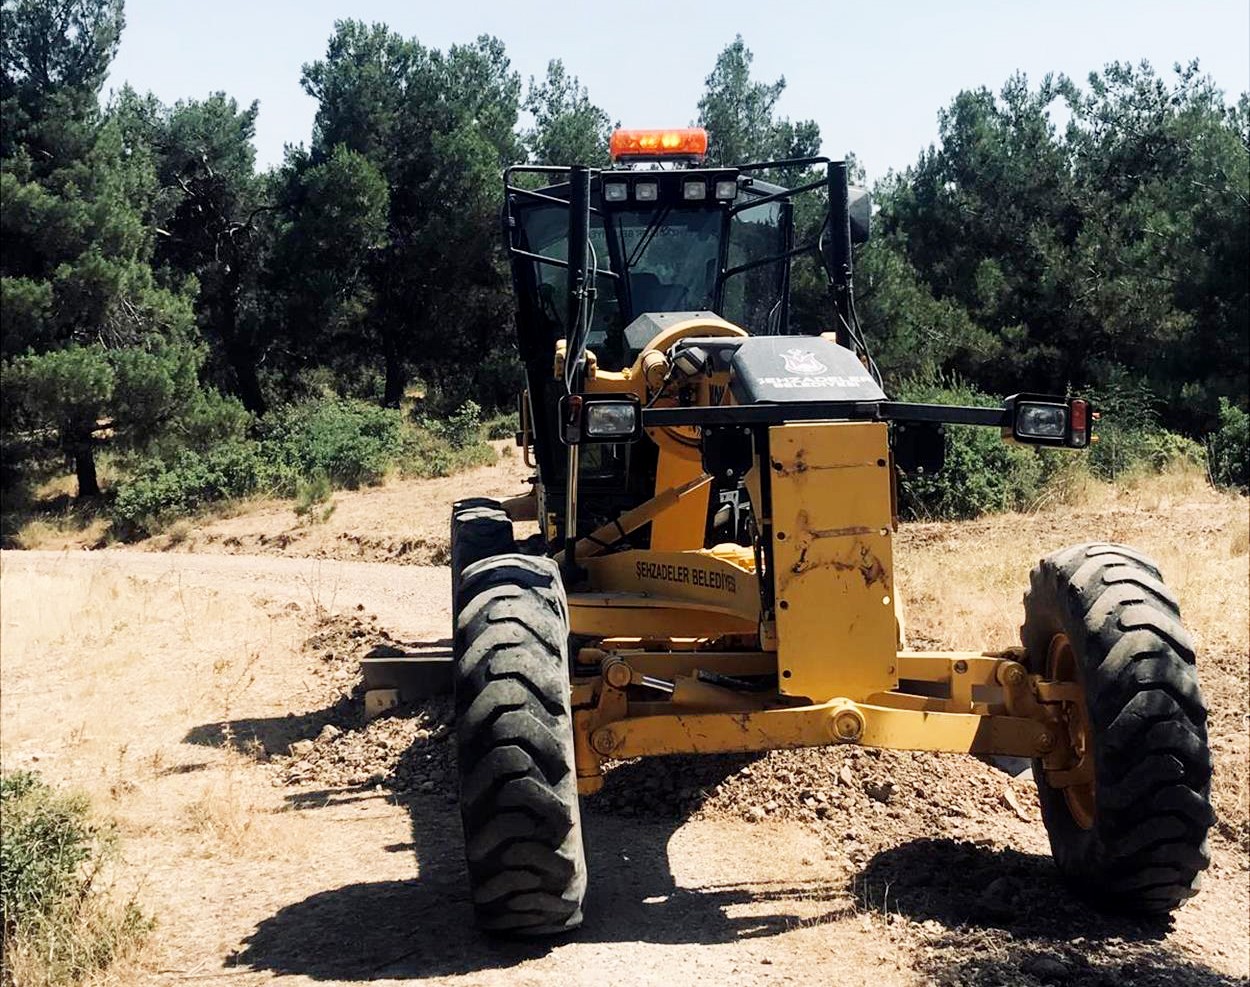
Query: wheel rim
x=1061, y=666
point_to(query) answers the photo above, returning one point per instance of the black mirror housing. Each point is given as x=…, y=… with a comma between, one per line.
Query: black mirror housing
x=859, y=205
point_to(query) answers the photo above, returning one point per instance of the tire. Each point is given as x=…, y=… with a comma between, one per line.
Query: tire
x=479, y=529
x=1134, y=840
x=518, y=781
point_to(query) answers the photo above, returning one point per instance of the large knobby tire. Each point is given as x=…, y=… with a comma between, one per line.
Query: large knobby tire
x=479, y=529
x=518, y=782
x=1134, y=839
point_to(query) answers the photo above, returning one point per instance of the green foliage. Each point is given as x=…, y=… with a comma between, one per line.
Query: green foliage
x=58, y=925
x=1130, y=438
x=568, y=127
x=461, y=428
x=304, y=451
x=430, y=455
x=46, y=840
x=983, y=474
x=502, y=426
x=217, y=227
x=1228, y=448
x=161, y=490
x=433, y=299
x=740, y=115
x=348, y=442
x=312, y=493
x=96, y=347
x=158, y=296
x=914, y=336
x=1116, y=249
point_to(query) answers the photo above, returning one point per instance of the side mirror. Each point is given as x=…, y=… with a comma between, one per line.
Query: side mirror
x=859, y=204
x=600, y=418
x=1046, y=420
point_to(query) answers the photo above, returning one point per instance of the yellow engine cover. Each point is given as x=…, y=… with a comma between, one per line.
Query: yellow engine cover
x=832, y=557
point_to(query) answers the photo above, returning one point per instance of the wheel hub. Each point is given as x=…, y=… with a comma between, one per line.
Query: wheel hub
x=1076, y=781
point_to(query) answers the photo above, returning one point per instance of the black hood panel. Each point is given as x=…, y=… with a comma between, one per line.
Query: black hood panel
x=776, y=369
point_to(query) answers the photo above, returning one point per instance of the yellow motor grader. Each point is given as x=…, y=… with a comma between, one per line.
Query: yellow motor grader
x=714, y=569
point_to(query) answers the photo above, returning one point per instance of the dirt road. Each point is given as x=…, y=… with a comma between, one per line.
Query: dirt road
x=172, y=685
x=124, y=672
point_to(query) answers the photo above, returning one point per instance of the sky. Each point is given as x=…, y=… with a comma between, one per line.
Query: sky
x=873, y=75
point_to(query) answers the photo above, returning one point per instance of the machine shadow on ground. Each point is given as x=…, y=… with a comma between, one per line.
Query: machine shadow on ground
x=1000, y=916
x=264, y=736
x=423, y=926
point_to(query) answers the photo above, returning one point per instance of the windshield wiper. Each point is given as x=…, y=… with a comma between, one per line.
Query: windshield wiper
x=647, y=235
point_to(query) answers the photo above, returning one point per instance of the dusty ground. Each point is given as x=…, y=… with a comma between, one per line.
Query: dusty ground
x=173, y=685
x=400, y=522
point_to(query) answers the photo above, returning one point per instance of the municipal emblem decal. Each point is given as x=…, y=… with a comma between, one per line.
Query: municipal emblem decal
x=803, y=362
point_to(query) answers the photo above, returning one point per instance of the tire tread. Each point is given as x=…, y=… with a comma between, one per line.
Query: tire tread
x=1147, y=848
x=522, y=828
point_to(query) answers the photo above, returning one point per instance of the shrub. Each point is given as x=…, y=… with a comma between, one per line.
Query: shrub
x=1163, y=450
x=349, y=442
x=1227, y=450
x=212, y=418
x=502, y=426
x=306, y=450
x=429, y=454
x=982, y=473
x=161, y=490
x=1131, y=441
x=59, y=923
x=310, y=493
x=460, y=429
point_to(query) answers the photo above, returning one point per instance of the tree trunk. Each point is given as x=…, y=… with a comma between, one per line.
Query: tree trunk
x=396, y=378
x=242, y=358
x=239, y=347
x=84, y=466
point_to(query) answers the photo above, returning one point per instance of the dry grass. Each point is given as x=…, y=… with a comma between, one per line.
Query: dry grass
x=49, y=515
x=66, y=529
x=104, y=675
x=225, y=813
x=105, y=931
x=962, y=583
x=232, y=816
x=107, y=472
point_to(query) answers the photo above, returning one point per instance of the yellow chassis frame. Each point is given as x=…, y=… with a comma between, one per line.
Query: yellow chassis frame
x=1024, y=716
x=832, y=642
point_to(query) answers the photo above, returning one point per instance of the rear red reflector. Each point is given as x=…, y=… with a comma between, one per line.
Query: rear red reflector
x=1078, y=417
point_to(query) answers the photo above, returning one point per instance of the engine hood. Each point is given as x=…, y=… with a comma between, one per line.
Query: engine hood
x=776, y=369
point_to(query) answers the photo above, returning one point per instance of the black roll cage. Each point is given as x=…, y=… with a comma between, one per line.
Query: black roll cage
x=837, y=265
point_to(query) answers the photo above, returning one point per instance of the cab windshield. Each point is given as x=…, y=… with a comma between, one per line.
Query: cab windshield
x=669, y=259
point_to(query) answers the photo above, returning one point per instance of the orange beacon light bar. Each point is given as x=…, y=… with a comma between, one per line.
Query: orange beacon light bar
x=685, y=142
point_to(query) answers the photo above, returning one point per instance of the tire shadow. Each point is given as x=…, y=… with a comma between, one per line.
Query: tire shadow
x=423, y=927
x=998, y=916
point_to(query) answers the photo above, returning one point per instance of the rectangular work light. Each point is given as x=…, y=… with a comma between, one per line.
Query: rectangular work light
x=1039, y=419
x=600, y=418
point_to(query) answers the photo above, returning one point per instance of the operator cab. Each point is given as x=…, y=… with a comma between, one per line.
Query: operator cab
x=667, y=240
x=663, y=240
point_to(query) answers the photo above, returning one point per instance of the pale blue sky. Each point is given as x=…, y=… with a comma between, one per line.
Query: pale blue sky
x=872, y=75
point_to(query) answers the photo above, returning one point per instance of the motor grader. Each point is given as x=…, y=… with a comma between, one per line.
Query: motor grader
x=714, y=572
